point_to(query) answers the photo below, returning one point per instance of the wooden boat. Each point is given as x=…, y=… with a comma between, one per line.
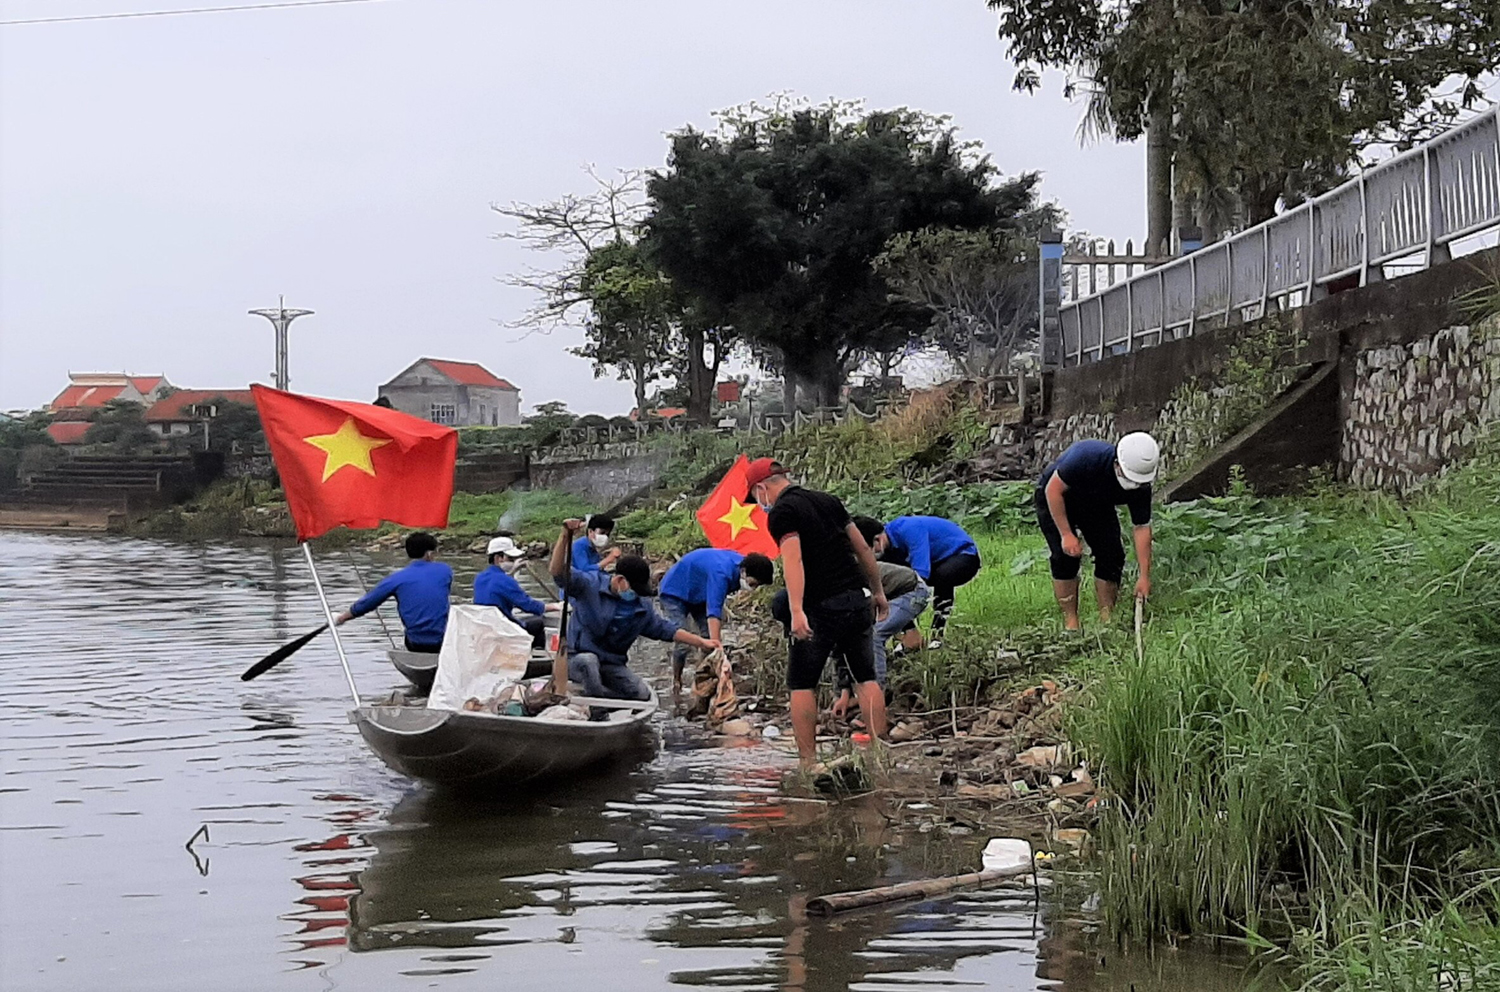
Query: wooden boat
x=420, y=669
x=480, y=749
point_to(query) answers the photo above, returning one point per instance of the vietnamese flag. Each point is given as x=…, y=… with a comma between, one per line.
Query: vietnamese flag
x=354, y=464
x=729, y=522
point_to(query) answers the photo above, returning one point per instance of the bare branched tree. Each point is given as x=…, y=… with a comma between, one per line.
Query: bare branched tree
x=568, y=230
x=980, y=287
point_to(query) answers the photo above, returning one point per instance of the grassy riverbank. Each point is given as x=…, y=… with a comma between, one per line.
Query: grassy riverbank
x=1307, y=750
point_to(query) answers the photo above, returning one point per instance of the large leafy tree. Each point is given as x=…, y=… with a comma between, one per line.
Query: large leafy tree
x=980, y=288
x=1259, y=102
x=770, y=225
x=632, y=308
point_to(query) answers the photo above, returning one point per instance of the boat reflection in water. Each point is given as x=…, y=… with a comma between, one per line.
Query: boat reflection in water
x=690, y=871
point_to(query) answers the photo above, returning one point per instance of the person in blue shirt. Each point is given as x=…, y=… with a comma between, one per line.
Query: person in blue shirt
x=496, y=586
x=421, y=590
x=938, y=550
x=1078, y=495
x=608, y=613
x=695, y=588
x=591, y=552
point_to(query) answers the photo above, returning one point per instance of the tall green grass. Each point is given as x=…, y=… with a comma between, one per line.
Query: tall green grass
x=1314, y=730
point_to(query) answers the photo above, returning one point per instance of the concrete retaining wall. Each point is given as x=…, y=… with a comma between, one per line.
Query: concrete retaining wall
x=1415, y=387
x=605, y=481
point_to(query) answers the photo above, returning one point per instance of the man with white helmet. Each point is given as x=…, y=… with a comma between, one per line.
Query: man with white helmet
x=1076, y=498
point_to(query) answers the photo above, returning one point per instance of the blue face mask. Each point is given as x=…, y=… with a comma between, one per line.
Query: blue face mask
x=628, y=595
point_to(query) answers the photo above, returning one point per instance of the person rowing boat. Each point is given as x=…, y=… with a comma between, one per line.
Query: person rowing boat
x=421, y=590
x=497, y=586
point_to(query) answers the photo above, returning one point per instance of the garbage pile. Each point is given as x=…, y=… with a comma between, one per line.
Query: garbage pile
x=1012, y=749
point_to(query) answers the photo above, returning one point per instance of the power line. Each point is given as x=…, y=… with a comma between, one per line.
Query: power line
x=192, y=10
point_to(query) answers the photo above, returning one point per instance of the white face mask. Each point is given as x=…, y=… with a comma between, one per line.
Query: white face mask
x=1126, y=484
x=599, y=540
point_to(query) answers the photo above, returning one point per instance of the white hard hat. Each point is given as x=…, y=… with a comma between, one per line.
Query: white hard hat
x=1138, y=455
x=504, y=546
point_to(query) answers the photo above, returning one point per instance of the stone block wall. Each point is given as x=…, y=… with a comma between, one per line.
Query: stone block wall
x=1415, y=407
x=1057, y=435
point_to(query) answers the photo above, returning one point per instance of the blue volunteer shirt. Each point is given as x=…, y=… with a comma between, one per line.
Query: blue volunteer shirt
x=1087, y=468
x=603, y=624
x=586, y=557
x=421, y=591
x=925, y=540
x=495, y=587
x=704, y=578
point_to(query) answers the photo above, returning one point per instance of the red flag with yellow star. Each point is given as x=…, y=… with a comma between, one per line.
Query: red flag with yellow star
x=356, y=465
x=730, y=522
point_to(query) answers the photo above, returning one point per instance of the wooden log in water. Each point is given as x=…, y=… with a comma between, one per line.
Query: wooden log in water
x=843, y=902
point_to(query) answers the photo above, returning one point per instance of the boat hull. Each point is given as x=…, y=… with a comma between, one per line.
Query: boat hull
x=481, y=750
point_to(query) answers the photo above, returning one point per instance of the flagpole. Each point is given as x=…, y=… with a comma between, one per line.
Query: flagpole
x=332, y=627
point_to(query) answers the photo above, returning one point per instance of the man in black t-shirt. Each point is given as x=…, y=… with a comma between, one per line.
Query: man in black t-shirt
x=831, y=582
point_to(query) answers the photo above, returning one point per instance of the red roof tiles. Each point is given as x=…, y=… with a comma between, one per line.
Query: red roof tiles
x=468, y=373
x=68, y=431
x=86, y=396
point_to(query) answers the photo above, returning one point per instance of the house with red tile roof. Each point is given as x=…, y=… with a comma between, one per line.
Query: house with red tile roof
x=175, y=415
x=92, y=390
x=460, y=394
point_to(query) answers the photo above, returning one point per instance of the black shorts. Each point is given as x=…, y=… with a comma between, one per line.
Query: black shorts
x=423, y=648
x=1097, y=525
x=843, y=623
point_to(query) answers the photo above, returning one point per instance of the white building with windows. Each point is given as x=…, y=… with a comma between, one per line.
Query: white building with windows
x=460, y=394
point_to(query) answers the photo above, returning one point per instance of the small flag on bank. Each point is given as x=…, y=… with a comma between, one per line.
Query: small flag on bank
x=730, y=522
x=356, y=465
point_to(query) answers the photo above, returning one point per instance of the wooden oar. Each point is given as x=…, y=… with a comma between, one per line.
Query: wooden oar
x=560, y=660
x=281, y=654
x=366, y=587
x=547, y=587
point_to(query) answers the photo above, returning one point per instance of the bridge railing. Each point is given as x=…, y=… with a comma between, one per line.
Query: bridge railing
x=1413, y=205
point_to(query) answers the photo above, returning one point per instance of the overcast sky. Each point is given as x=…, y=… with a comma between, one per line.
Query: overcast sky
x=161, y=176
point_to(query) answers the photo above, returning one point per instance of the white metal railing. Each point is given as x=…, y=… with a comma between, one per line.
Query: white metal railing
x=1413, y=205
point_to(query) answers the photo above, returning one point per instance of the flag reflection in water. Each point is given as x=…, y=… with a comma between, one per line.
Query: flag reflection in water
x=335, y=862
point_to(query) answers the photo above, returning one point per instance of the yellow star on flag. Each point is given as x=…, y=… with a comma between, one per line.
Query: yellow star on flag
x=738, y=517
x=347, y=446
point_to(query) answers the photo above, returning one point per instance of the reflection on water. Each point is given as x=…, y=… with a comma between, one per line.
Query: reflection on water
x=312, y=866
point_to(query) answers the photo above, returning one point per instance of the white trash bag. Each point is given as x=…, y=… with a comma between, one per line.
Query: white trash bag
x=1006, y=852
x=482, y=653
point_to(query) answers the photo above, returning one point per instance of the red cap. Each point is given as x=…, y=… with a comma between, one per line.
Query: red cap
x=760, y=470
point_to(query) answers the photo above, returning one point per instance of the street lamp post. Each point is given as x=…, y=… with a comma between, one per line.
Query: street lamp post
x=281, y=318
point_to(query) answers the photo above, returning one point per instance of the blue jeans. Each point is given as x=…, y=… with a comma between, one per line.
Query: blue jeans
x=605, y=680
x=680, y=612
x=904, y=611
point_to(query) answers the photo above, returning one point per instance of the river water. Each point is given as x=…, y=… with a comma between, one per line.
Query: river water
x=127, y=734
